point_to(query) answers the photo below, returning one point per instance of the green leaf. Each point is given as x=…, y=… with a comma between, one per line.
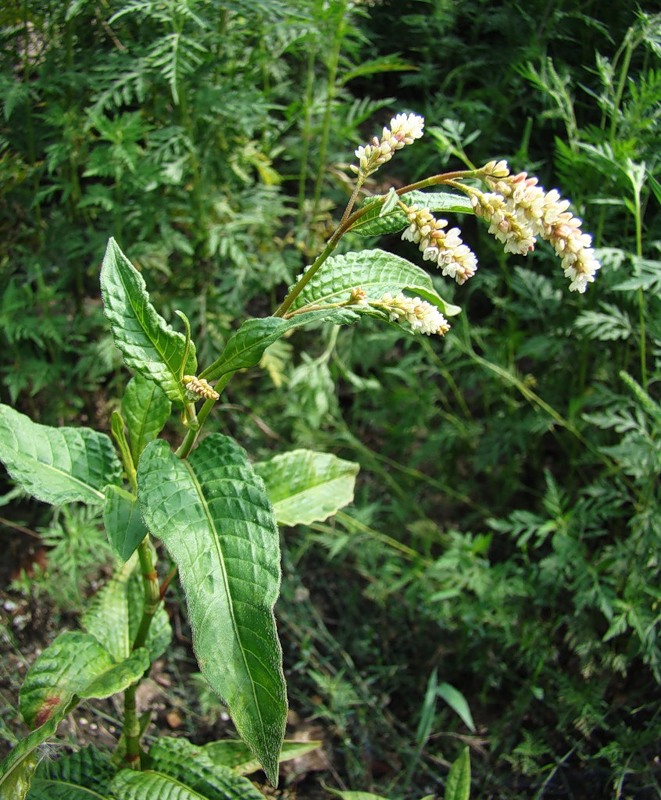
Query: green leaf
x=57, y=465
x=357, y=795
x=193, y=766
x=458, y=785
x=245, y=348
x=149, y=345
x=17, y=770
x=84, y=775
x=75, y=665
x=214, y=516
x=373, y=224
x=457, y=702
x=235, y=754
x=114, y=614
x=122, y=520
x=375, y=272
x=307, y=487
x=146, y=409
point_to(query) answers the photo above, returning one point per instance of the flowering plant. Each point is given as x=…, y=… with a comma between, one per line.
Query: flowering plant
x=217, y=513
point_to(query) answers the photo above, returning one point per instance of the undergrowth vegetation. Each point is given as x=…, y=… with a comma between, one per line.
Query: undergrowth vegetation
x=496, y=582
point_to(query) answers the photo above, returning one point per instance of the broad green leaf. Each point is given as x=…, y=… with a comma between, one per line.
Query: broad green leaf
x=307, y=487
x=129, y=784
x=75, y=665
x=114, y=615
x=192, y=765
x=146, y=409
x=84, y=775
x=458, y=785
x=149, y=345
x=17, y=769
x=214, y=516
x=235, y=755
x=357, y=795
x=457, y=702
x=57, y=465
x=122, y=520
x=373, y=224
x=245, y=348
x=375, y=272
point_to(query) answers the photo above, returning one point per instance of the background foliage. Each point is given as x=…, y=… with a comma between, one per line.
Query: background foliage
x=505, y=539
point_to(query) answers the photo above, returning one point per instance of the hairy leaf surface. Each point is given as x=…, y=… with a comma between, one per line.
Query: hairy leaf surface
x=57, y=465
x=17, y=769
x=213, y=514
x=375, y=272
x=393, y=221
x=75, y=665
x=149, y=345
x=307, y=487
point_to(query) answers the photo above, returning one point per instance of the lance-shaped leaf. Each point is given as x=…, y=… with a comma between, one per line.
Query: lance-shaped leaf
x=114, y=614
x=149, y=345
x=75, y=665
x=57, y=465
x=84, y=775
x=245, y=347
x=146, y=409
x=376, y=273
x=307, y=487
x=458, y=786
x=122, y=520
x=213, y=514
x=373, y=223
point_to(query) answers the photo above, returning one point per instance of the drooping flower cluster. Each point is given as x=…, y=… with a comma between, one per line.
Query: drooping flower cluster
x=201, y=387
x=518, y=210
x=446, y=248
x=419, y=315
x=404, y=129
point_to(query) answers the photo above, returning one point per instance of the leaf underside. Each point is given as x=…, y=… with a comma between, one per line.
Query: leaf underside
x=57, y=465
x=373, y=224
x=307, y=487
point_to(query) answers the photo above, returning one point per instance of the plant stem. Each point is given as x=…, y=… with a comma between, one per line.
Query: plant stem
x=151, y=589
x=152, y=600
x=348, y=222
x=186, y=446
x=131, y=729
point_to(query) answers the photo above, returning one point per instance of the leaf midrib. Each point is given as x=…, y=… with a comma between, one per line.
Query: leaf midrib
x=228, y=594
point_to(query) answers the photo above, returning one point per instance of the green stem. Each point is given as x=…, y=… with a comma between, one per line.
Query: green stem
x=184, y=449
x=152, y=600
x=151, y=589
x=347, y=223
x=132, y=729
